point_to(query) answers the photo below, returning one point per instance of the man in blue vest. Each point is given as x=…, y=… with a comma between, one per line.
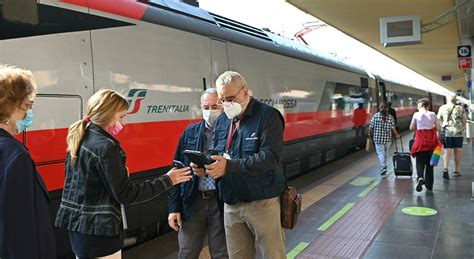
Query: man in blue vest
x=194, y=205
x=249, y=141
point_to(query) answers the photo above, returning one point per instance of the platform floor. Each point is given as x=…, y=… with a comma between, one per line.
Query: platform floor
x=350, y=211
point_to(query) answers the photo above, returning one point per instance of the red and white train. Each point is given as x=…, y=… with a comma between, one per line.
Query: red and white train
x=162, y=54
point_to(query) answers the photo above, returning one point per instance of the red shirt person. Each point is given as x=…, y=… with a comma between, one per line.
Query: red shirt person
x=359, y=119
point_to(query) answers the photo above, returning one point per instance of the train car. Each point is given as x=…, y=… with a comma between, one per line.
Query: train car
x=403, y=98
x=161, y=55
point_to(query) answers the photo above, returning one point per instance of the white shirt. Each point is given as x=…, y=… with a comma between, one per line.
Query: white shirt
x=424, y=120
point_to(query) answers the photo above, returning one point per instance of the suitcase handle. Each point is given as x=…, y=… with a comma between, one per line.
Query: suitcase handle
x=401, y=144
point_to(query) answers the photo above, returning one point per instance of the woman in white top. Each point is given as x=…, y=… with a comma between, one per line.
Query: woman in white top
x=426, y=125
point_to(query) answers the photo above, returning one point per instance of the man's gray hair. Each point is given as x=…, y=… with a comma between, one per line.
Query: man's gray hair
x=229, y=77
x=209, y=91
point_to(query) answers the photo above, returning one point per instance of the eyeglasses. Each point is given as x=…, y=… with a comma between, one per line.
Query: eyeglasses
x=229, y=99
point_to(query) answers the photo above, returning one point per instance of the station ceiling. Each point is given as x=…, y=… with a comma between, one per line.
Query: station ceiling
x=434, y=57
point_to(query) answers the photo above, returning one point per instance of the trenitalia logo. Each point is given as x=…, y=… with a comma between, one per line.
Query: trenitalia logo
x=135, y=98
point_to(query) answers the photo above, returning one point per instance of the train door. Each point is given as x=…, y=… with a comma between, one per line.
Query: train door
x=381, y=93
x=219, y=59
x=430, y=97
x=62, y=67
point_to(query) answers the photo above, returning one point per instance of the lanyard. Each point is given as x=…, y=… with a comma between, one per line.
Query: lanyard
x=230, y=135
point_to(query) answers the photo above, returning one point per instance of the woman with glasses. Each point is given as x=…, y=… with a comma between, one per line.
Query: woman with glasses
x=25, y=224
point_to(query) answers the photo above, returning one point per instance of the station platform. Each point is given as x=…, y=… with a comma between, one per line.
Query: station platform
x=350, y=211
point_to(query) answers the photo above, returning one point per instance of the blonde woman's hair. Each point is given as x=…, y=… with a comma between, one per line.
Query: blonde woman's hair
x=16, y=87
x=101, y=109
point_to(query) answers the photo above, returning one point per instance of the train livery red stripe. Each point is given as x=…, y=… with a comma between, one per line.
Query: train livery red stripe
x=126, y=8
x=151, y=145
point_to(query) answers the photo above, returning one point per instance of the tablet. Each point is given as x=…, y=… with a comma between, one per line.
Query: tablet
x=198, y=158
x=178, y=164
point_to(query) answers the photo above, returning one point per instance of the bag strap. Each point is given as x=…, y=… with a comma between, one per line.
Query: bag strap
x=449, y=116
x=286, y=181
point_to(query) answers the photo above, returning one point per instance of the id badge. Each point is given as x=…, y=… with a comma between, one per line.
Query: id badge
x=226, y=155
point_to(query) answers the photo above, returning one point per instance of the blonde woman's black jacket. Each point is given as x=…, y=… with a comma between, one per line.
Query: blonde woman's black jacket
x=26, y=230
x=97, y=183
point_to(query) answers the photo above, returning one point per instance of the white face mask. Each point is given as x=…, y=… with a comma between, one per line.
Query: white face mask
x=232, y=109
x=210, y=116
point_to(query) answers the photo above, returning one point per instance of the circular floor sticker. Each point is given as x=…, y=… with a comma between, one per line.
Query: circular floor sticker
x=419, y=211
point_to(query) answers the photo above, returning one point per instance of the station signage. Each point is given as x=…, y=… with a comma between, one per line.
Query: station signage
x=464, y=51
x=465, y=63
x=447, y=78
x=464, y=57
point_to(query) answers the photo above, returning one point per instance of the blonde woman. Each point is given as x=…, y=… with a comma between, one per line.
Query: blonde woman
x=25, y=222
x=97, y=182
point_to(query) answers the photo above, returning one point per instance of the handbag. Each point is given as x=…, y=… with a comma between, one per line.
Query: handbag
x=436, y=155
x=290, y=202
x=369, y=145
x=442, y=136
x=442, y=132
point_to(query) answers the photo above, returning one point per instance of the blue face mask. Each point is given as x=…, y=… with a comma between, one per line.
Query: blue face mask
x=25, y=122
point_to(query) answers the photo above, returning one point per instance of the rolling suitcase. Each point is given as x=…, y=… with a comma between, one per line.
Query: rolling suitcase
x=402, y=165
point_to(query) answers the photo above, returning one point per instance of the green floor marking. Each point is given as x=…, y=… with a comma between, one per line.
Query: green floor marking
x=336, y=217
x=368, y=189
x=298, y=249
x=362, y=180
x=419, y=211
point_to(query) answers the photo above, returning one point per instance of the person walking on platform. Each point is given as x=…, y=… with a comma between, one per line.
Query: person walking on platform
x=381, y=131
x=97, y=185
x=392, y=112
x=195, y=210
x=453, y=121
x=250, y=176
x=426, y=125
x=359, y=119
x=25, y=223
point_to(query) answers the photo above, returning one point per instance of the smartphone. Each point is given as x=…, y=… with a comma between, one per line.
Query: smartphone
x=198, y=158
x=178, y=164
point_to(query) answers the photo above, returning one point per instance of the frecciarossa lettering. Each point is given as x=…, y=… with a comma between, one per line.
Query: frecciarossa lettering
x=280, y=103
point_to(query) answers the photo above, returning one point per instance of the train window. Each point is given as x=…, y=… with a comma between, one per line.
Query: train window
x=55, y=20
x=402, y=99
x=326, y=99
x=339, y=96
x=364, y=82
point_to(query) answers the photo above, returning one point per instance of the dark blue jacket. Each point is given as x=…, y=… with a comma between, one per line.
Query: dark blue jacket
x=182, y=196
x=26, y=230
x=255, y=171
